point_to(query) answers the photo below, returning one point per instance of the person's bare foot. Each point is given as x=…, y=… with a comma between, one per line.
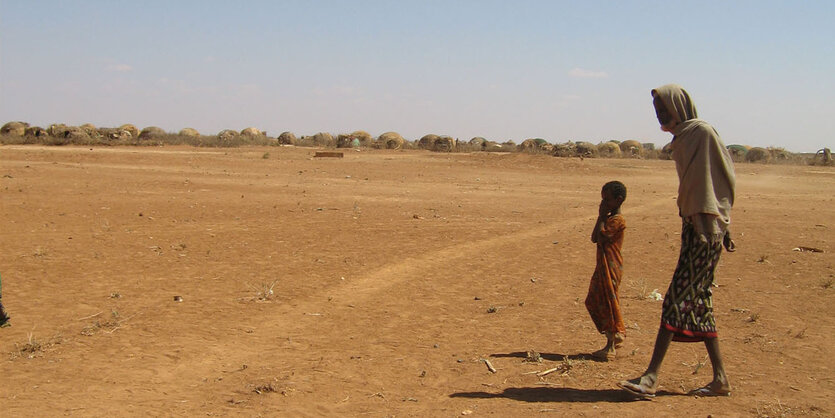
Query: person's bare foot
x=714, y=388
x=643, y=386
x=606, y=353
x=618, y=340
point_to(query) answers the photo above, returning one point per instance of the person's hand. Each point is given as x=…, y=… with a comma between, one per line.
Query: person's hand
x=603, y=211
x=730, y=245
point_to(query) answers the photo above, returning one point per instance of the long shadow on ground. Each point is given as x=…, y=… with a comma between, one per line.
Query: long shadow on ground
x=550, y=356
x=552, y=394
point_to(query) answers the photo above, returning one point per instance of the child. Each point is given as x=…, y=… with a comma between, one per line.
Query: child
x=603, y=302
x=4, y=317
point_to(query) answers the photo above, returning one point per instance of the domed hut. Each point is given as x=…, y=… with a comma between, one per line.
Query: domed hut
x=90, y=129
x=478, y=143
x=354, y=139
x=529, y=145
x=252, y=133
x=134, y=131
x=114, y=134
x=493, y=146
x=444, y=144
x=509, y=144
x=631, y=147
x=737, y=152
x=287, y=138
x=758, y=155
x=323, y=139
x=586, y=149
x=608, y=149
x=152, y=132
x=227, y=135
x=35, y=132
x=391, y=140
x=58, y=130
x=568, y=149
x=190, y=132
x=427, y=141
x=14, y=128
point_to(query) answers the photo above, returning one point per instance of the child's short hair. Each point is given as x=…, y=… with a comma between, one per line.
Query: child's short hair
x=616, y=188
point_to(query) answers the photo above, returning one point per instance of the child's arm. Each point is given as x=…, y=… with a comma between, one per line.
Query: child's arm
x=597, y=236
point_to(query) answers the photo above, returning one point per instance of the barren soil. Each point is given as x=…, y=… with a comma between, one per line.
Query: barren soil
x=393, y=274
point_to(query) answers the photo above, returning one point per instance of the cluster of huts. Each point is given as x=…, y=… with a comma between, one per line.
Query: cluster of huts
x=60, y=134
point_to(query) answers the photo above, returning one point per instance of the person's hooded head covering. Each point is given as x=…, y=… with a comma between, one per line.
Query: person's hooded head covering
x=704, y=165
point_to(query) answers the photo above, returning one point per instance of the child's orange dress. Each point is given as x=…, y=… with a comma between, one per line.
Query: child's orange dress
x=603, y=302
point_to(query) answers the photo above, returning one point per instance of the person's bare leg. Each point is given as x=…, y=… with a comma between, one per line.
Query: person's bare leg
x=607, y=352
x=720, y=382
x=648, y=382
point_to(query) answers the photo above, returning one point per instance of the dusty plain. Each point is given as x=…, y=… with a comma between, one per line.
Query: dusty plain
x=394, y=275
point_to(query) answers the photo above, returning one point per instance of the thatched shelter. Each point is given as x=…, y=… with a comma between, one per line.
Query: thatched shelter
x=758, y=155
x=444, y=144
x=354, y=139
x=323, y=139
x=568, y=149
x=609, y=149
x=493, y=146
x=90, y=129
x=152, y=132
x=427, y=141
x=134, y=131
x=648, y=146
x=57, y=130
x=114, y=133
x=36, y=132
x=252, y=133
x=391, y=140
x=190, y=132
x=737, y=152
x=478, y=142
x=287, y=138
x=227, y=135
x=780, y=154
x=586, y=149
x=14, y=128
x=509, y=144
x=631, y=147
x=529, y=145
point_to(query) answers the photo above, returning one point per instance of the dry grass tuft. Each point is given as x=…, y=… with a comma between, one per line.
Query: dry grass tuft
x=34, y=347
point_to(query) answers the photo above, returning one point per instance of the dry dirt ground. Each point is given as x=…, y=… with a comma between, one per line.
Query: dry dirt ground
x=393, y=275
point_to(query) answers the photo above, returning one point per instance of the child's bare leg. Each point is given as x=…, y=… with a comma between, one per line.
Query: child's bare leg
x=607, y=352
x=720, y=382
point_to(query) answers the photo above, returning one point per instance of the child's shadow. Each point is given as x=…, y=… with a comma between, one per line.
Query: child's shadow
x=551, y=356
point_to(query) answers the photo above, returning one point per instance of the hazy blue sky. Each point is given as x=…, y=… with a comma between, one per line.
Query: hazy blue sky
x=760, y=71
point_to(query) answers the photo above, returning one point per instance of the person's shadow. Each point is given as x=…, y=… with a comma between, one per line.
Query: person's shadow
x=556, y=394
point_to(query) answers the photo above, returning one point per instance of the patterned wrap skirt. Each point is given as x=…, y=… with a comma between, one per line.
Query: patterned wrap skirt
x=688, y=305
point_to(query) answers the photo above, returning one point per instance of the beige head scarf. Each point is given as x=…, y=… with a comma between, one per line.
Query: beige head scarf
x=704, y=165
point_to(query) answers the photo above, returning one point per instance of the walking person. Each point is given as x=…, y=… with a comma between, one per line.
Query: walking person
x=705, y=197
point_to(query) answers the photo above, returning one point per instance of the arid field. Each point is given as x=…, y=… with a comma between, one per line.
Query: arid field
x=262, y=281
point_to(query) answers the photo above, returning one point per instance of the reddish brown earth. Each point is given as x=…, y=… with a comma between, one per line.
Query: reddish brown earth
x=395, y=273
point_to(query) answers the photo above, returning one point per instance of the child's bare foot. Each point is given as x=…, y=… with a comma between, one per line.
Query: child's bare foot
x=643, y=386
x=618, y=339
x=606, y=353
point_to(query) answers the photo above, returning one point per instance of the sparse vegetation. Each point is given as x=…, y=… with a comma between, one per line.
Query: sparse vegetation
x=33, y=347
